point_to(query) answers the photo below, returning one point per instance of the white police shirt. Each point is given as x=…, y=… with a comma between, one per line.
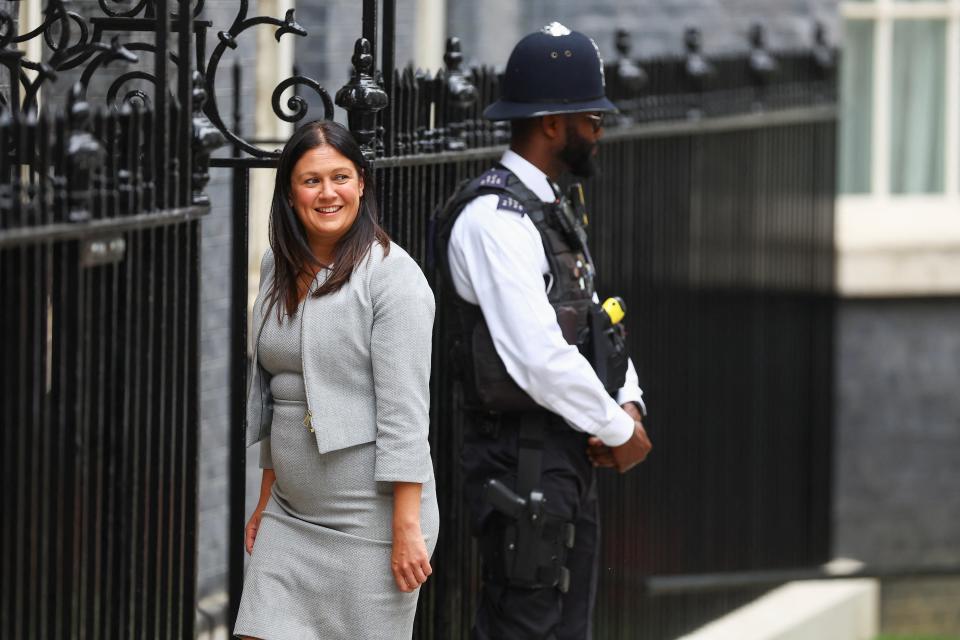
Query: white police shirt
x=497, y=261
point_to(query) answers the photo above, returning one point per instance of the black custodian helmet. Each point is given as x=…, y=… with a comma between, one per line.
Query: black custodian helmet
x=554, y=70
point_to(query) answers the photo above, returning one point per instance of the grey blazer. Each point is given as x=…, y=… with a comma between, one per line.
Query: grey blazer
x=366, y=364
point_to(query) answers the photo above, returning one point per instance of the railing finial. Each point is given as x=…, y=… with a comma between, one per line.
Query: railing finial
x=84, y=152
x=363, y=97
x=762, y=63
x=824, y=55
x=695, y=65
x=631, y=76
x=459, y=86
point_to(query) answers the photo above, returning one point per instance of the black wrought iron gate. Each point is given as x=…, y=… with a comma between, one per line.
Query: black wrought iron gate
x=100, y=206
x=713, y=218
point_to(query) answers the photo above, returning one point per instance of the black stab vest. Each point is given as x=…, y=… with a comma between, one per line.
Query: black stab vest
x=570, y=288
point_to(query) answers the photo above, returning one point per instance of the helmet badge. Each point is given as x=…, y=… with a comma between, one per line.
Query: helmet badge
x=556, y=30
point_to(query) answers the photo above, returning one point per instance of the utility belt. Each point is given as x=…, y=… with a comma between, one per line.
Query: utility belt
x=534, y=544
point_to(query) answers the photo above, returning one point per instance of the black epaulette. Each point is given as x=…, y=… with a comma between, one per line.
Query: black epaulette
x=498, y=181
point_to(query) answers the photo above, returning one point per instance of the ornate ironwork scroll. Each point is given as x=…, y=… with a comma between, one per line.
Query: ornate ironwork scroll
x=76, y=42
x=298, y=106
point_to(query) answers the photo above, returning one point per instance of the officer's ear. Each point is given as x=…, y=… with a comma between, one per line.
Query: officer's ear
x=553, y=126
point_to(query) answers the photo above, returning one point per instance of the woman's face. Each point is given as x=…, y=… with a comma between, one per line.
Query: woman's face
x=325, y=190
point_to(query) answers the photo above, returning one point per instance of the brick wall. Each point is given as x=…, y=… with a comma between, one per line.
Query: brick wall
x=898, y=432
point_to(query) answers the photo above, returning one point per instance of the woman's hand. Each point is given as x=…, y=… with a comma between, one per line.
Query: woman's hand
x=250, y=531
x=410, y=561
x=253, y=525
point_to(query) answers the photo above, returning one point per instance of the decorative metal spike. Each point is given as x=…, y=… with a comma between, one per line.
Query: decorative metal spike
x=290, y=25
x=84, y=152
x=119, y=52
x=697, y=69
x=622, y=42
x=363, y=97
x=762, y=63
x=695, y=65
x=824, y=55
x=630, y=76
x=460, y=89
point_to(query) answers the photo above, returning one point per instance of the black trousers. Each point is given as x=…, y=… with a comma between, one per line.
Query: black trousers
x=507, y=612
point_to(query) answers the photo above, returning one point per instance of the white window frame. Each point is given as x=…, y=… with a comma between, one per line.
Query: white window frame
x=892, y=244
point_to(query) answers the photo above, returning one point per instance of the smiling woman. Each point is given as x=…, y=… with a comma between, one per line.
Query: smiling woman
x=319, y=217
x=341, y=538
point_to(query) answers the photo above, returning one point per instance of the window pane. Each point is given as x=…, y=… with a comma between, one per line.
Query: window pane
x=856, y=106
x=917, y=110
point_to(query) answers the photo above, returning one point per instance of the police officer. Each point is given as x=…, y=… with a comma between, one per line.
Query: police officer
x=549, y=391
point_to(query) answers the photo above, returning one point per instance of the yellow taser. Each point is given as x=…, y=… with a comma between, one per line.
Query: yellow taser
x=615, y=308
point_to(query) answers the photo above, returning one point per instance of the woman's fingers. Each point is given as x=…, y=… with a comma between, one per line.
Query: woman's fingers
x=419, y=574
x=411, y=575
x=410, y=579
x=400, y=580
x=402, y=576
x=250, y=537
x=250, y=532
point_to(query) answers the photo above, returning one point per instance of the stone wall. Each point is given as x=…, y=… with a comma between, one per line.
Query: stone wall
x=897, y=481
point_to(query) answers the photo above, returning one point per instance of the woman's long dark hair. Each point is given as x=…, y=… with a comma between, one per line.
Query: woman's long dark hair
x=288, y=239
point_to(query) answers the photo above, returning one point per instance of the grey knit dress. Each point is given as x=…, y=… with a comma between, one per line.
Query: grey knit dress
x=320, y=567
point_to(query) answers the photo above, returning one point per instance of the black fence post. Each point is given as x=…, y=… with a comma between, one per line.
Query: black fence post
x=239, y=231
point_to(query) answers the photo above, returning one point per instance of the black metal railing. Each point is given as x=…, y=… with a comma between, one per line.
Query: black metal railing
x=442, y=111
x=100, y=210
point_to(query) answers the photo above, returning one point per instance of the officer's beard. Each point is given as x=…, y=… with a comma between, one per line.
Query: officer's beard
x=578, y=155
